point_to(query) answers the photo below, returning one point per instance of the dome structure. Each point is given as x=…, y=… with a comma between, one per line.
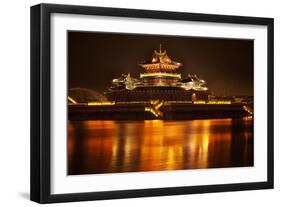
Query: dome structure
x=83, y=95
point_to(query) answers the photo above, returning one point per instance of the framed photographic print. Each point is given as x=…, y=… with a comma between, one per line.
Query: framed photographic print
x=133, y=103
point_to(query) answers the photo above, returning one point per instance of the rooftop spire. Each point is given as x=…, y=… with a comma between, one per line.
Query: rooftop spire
x=160, y=53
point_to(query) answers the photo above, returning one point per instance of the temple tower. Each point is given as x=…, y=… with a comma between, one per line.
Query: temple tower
x=161, y=70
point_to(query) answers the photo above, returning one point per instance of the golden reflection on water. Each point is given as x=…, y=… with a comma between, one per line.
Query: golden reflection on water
x=155, y=145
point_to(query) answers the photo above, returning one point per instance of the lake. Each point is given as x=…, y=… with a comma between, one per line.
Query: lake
x=108, y=146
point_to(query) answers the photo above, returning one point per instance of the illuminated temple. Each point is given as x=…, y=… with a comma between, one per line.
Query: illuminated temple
x=159, y=80
x=160, y=92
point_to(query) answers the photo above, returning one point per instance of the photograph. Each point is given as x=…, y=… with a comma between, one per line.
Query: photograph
x=148, y=103
x=132, y=103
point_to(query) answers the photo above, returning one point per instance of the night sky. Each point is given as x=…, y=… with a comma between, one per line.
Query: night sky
x=94, y=59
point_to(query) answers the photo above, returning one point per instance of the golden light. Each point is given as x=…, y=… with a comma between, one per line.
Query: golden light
x=105, y=103
x=71, y=100
x=142, y=75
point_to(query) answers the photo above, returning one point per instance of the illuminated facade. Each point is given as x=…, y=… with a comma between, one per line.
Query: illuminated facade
x=158, y=81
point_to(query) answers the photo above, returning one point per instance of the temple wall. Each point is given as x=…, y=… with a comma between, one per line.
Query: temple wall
x=157, y=94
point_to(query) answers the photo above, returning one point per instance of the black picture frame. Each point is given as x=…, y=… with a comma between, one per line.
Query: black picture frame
x=40, y=102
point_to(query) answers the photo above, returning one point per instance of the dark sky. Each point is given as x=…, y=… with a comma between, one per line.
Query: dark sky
x=94, y=59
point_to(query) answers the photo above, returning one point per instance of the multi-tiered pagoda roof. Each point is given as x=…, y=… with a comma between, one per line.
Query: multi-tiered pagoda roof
x=160, y=62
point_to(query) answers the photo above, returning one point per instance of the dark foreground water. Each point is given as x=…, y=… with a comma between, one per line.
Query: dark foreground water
x=155, y=145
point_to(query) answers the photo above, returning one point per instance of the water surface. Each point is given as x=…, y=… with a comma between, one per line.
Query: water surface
x=100, y=146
